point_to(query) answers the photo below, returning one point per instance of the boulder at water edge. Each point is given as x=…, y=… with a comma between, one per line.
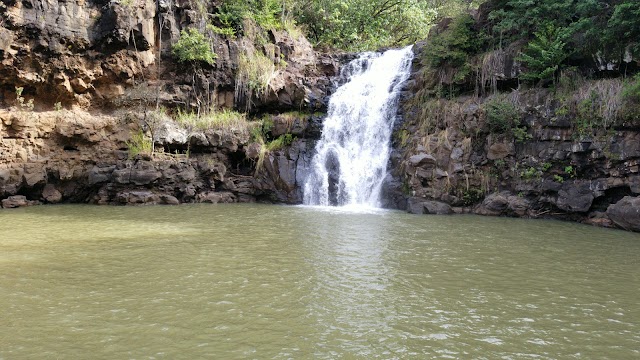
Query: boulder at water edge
x=626, y=213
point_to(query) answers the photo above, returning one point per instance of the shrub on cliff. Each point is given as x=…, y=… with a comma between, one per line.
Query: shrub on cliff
x=631, y=101
x=502, y=116
x=193, y=47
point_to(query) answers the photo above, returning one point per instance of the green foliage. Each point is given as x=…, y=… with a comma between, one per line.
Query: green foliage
x=472, y=196
x=521, y=134
x=402, y=137
x=558, y=178
x=570, y=171
x=502, y=116
x=448, y=56
x=543, y=55
x=520, y=18
x=267, y=147
x=585, y=120
x=364, y=24
x=266, y=13
x=454, y=46
x=139, y=143
x=623, y=27
x=224, y=31
x=193, y=47
x=585, y=26
x=22, y=105
x=280, y=142
x=631, y=99
x=631, y=90
x=530, y=173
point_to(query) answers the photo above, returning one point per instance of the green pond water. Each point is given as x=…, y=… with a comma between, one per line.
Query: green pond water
x=276, y=282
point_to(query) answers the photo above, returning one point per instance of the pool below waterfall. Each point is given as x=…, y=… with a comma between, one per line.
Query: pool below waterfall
x=276, y=282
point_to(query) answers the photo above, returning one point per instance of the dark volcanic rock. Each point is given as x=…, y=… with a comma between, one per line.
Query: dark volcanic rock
x=422, y=206
x=422, y=160
x=626, y=213
x=575, y=196
x=494, y=204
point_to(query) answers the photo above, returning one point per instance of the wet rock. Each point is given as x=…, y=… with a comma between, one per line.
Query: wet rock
x=493, y=205
x=51, y=195
x=626, y=213
x=575, y=197
x=422, y=206
x=599, y=219
x=633, y=181
x=169, y=200
x=518, y=205
x=17, y=201
x=216, y=197
x=121, y=176
x=137, y=197
x=437, y=208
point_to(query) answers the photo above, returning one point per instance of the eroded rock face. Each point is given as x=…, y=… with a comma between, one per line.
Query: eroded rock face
x=92, y=53
x=285, y=171
x=74, y=51
x=73, y=156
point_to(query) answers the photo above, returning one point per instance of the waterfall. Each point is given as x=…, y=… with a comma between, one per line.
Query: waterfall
x=350, y=160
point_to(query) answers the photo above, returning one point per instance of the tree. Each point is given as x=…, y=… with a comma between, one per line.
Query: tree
x=365, y=24
x=543, y=55
x=624, y=26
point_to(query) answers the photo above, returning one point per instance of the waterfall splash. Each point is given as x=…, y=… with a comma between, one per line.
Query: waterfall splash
x=350, y=161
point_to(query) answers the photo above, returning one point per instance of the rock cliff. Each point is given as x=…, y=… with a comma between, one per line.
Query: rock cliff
x=89, y=74
x=519, y=152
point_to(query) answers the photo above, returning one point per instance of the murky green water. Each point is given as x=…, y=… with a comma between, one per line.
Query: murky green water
x=270, y=282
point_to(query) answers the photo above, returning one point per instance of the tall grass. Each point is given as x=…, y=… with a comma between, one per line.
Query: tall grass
x=255, y=72
x=218, y=120
x=139, y=143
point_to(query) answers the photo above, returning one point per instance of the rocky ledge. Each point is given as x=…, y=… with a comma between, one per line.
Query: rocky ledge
x=77, y=157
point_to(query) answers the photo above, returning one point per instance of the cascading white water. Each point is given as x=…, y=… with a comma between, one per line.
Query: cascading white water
x=350, y=161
